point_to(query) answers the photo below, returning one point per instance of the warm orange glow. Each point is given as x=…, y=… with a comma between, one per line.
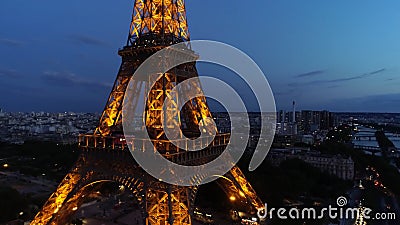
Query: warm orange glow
x=162, y=201
x=247, y=189
x=158, y=206
x=159, y=16
x=57, y=199
x=112, y=113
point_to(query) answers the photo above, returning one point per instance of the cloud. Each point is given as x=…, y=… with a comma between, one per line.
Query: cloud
x=333, y=86
x=365, y=75
x=373, y=103
x=69, y=79
x=87, y=40
x=377, y=71
x=339, y=80
x=310, y=74
x=11, y=73
x=11, y=42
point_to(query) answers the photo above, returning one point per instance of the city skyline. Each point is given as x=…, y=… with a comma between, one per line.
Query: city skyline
x=158, y=153
x=341, y=56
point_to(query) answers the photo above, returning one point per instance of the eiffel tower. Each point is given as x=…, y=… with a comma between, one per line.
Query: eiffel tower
x=105, y=157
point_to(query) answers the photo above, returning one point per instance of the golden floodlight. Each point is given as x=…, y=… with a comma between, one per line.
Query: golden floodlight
x=105, y=156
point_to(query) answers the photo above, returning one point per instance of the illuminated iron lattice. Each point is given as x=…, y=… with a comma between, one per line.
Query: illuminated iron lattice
x=159, y=17
x=105, y=156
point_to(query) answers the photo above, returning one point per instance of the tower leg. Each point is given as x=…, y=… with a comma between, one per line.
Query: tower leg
x=239, y=190
x=88, y=174
x=60, y=196
x=168, y=205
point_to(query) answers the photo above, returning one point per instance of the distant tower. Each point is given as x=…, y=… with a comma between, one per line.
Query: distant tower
x=294, y=113
x=294, y=124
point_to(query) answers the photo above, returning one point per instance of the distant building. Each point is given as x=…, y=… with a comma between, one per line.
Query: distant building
x=312, y=121
x=16, y=128
x=328, y=120
x=305, y=121
x=337, y=165
x=307, y=139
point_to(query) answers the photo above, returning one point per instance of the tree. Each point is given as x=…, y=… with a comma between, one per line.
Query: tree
x=11, y=204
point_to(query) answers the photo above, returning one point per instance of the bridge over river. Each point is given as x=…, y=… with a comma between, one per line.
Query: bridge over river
x=366, y=136
x=365, y=140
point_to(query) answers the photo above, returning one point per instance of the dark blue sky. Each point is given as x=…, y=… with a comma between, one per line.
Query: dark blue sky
x=337, y=55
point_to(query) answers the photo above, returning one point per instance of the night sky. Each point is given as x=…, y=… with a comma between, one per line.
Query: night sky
x=338, y=55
